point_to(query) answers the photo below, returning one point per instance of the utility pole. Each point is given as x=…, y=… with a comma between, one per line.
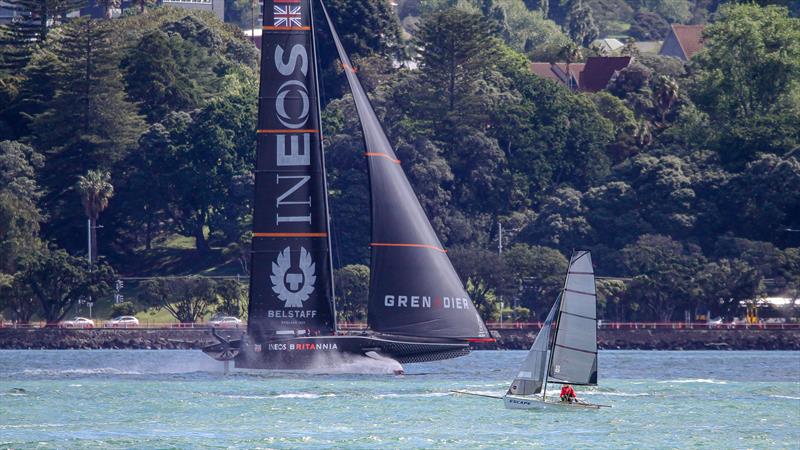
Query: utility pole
x=499, y=238
x=89, y=240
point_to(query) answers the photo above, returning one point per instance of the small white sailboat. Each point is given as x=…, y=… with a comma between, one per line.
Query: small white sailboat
x=565, y=350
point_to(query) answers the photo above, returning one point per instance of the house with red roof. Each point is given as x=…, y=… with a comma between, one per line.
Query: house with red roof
x=591, y=76
x=683, y=41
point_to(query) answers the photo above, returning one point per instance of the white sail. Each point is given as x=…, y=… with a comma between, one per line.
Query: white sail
x=574, y=358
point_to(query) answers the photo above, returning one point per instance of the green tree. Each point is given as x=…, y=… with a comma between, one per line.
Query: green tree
x=17, y=298
x=539, y=272
x=187, y=299
x=570, y=53
x=365, y=27
x=455, y=48
x=165, y=72
x=664, y=275
x=58, y=281
x=763, y=199
x=486, y=277
x=748, y=80
x=560, y=221
x=582, y=27
x=95, y=189
x=725, y=284
x=19, y=37
x=88, y=124
x=19, y=194
x=231, y=295
x=122, y=309
x=612, y=302
x=352, y=289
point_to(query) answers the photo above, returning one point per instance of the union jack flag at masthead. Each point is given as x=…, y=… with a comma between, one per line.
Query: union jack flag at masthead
x=287, y=16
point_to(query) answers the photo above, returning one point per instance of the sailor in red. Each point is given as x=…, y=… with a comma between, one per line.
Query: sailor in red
x=568, y=394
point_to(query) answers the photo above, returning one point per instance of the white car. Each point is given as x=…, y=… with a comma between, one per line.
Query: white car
x=226, y=322
x=123, y=322
x=77, y=322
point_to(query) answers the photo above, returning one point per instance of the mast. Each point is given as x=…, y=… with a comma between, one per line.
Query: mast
x=551, y=348
x=322, y=160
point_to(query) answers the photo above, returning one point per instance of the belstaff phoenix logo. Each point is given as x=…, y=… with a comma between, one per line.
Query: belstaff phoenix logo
x=293, y=287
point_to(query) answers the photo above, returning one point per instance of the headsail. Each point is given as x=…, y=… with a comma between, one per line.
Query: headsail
x=291, y=277
x=531, y=375
x=414, y=289
x=574, y=358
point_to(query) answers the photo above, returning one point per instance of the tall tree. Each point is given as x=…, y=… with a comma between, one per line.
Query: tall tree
x=748, y=81
x=19, y=194
x=165, y=72
x=581, y=25
x=19, y=37
x=454, y=48
x=88, y=124
x=95, y=189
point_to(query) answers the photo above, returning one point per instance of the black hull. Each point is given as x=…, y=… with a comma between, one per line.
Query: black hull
x=297, y=353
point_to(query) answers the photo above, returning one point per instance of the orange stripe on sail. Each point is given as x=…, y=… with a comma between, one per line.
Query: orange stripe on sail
x=396, y=161
x=349, y=68
x=285, y=131
x=273, y=28
x=432, y=247
x=290, y=234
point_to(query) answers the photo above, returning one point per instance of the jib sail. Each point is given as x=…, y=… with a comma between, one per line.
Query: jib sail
x=531, y=376
x=574, y=358
x=291, y=278
x=414, y=289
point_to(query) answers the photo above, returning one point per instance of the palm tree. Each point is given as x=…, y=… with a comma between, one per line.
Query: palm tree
x=570, y=53
x=95, y=189
x=666, y=94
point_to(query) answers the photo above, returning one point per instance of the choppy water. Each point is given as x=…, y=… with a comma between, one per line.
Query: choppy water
x=181, y=399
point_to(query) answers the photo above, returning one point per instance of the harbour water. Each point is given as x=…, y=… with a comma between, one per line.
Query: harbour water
x=182, y=399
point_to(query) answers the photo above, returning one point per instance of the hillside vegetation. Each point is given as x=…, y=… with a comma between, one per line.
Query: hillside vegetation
x=682, y=178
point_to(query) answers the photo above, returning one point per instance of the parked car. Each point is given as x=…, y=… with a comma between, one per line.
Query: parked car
x=77, y=322
x=225, y=322
x=123, y=322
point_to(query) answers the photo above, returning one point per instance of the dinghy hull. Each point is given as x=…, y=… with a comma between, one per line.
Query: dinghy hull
x=297, y=353
x=519, y=402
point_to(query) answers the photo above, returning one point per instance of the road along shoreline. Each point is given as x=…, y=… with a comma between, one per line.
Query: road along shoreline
x=506, y=339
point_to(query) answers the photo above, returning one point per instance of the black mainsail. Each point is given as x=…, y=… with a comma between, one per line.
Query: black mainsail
x=414, y=289
x=291, y=277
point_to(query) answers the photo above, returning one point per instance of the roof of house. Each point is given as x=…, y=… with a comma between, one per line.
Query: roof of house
x=599, y=70
x=609, y=44
x=689, y=37
x=556, y=71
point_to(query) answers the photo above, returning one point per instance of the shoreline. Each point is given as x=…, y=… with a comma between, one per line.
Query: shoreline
x=515, y=339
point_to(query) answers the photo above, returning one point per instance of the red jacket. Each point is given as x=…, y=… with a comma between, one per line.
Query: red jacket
x=567, y=391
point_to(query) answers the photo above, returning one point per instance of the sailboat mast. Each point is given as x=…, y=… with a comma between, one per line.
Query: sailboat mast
x=322, y=162
x=555, y=333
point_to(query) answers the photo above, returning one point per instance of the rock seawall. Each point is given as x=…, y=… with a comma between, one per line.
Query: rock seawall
x=667, y=339
x=148, y=339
